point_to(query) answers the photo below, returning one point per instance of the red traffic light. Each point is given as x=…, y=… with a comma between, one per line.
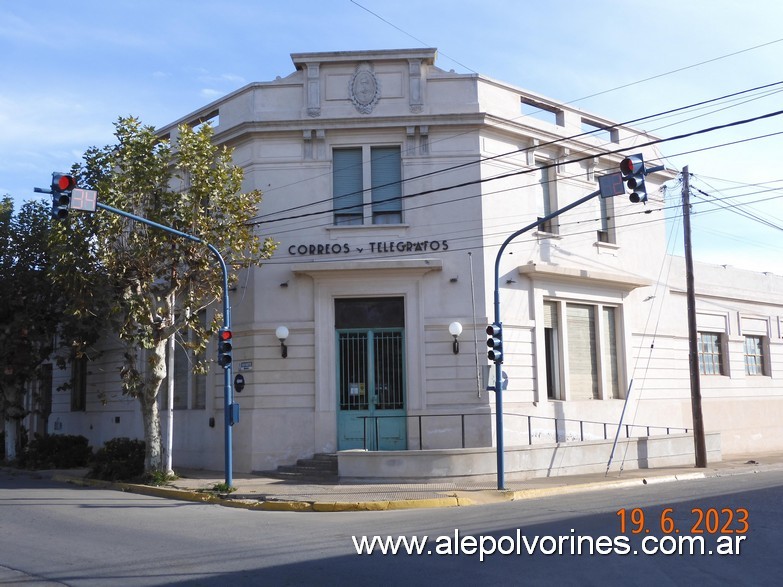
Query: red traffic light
x=224, y=348
x=632, y=165
x=62, y=182
x=633, y=172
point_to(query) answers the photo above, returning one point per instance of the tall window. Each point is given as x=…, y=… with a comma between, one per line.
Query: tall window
x=376, y=187
x=607, y=233
x=609, y=352
x=79, y=384
x=581, y=355
x=710, y=353
x=347, y=186
x=386, y=170
x=754, y=356
x=45, y=389
x=42, y=404
x=551, y=343
x=190, y=389
x=546, y=198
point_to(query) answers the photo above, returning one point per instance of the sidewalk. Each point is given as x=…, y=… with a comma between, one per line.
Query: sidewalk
x=266, y=493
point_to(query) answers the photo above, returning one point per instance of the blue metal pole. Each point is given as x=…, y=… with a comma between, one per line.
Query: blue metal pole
x=228, y=390
x=228, y=396
x=498, y=364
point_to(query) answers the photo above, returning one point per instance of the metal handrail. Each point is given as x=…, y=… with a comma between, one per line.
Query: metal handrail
x=555, y=419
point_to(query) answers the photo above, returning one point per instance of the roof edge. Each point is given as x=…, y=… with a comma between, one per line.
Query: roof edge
x=427, y=55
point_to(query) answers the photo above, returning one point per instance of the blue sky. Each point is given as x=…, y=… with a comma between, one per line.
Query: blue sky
x=68, y=70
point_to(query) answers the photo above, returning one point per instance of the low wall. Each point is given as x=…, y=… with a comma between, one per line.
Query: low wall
x=524, y=462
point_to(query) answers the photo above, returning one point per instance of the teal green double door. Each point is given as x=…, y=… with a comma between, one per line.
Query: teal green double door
x=371, y=388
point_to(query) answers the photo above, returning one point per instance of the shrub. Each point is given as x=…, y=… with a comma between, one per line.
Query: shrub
x=158, y=478
x=56, y=451
x=120, y=459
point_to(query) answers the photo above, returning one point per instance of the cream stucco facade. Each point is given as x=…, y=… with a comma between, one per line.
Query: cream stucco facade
x=589, y=302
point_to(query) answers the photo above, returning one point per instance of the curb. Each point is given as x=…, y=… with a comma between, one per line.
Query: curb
x=271, y=505
x=459, y=498
x=401, y=504
x=522, y=494
x=151, y=490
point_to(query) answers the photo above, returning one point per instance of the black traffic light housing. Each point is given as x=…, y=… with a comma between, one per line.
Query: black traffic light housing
x=495, y=342
x=62, y=186
x=224, y=347
x=633, y=172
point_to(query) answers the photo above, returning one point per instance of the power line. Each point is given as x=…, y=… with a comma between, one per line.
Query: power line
x=735, y=103
x=516, y=151
x=737, y=184
x=738, y=209
x=480, y=194
x=378, y=16
x=743, y=208
x=487, y=239
x=678, y=70
x=548, y=166
x=511, y=220
x=621, y=87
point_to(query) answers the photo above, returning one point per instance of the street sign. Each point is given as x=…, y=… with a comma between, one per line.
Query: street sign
x=493, y=379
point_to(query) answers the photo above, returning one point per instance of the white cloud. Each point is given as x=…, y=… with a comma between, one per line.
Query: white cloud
x=37, y=121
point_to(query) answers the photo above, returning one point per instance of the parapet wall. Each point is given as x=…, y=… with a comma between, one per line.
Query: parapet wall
x=524, y=462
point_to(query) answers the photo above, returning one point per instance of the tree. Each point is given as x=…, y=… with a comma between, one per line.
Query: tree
x=30, y=309
x=158, y=283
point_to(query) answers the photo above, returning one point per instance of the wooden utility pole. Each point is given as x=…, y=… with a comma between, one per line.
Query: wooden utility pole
x=699, y=442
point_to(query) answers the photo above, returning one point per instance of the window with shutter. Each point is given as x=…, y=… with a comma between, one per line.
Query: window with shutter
x=582, y=360
x=386, y=176
x=607, y=232
x=347, y=186
x=581, y=353
x=609, y=360
x=552, y=350
x=190, y=388
x=546, y=199
x=79, y=384
x=182, y=369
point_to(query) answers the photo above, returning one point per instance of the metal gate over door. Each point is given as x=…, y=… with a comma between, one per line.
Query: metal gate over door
x=371, y=385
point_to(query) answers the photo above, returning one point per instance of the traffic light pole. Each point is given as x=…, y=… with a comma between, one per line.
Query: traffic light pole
x=228, y=395
x=499, y=364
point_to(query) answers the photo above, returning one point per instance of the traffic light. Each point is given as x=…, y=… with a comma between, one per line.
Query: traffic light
x=633, y=172
x=224, y=347
x=62, y=185
x=495, y=342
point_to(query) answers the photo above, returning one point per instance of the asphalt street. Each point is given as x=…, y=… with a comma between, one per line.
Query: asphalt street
x=61, y=534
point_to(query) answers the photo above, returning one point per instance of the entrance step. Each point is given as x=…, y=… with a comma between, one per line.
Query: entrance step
x=322, y=467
